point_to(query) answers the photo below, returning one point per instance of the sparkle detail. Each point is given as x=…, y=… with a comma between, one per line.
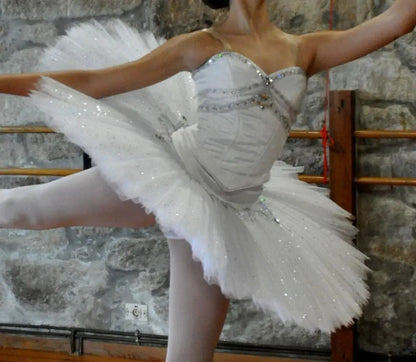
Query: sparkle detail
x=262, y=208
x=279, y=74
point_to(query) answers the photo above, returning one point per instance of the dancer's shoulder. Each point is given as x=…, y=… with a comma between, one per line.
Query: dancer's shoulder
x=196, y=47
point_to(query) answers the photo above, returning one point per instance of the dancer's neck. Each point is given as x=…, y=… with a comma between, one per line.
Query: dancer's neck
x=247, y=17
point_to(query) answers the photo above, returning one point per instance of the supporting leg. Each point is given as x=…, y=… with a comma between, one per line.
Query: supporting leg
x=82, y=199
x=197, y=310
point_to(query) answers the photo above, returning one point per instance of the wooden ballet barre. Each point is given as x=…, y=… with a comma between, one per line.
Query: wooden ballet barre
x=42, y=129
x=358, y=134
x=302, y=134
x=316, y=179
x=25, y=129
x=384, y=134
x=37, y=171
x=387, y=181
x=66, y=172
x=305, y=134
x=313, y=179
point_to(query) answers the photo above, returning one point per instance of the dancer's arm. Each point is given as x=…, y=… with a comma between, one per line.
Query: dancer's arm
x=327, y=49
x=181, y=53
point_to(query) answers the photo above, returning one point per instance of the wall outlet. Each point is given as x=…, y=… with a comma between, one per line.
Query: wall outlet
x=136, y=312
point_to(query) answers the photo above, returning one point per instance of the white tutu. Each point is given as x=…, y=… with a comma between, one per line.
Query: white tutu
x=290, y=252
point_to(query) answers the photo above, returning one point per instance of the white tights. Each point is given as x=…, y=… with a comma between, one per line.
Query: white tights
x=82, y=199
x=196, y=310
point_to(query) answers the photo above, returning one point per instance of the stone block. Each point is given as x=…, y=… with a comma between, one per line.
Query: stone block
x=299, y=17
x=15, y=36
x=383, y=329
x=393, y=117
x=17, y=111
x=46, y=244
x=404, y=164
x=53, y=286
x=13, y=151
x=138, y=255
x=405, y=48
x=46, y=10
x=246, y=324
x=397, y=82
x=22, y=61
x=387, y=221
x=52, y=151
x=374, y=165
x=40, y=150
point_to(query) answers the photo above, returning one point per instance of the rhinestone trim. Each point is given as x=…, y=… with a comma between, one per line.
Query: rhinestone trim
x=222, y=108
x=279, y=74
x=234, y=92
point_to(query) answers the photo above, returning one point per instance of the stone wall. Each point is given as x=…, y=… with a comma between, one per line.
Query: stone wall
x=83, y=276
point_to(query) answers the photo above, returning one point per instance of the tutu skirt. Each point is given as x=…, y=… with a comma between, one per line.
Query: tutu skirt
x=290, y=252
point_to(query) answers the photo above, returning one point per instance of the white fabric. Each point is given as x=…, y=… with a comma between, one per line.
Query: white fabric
x=283, y=244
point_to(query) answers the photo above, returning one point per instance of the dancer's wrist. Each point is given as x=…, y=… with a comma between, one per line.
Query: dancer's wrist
x=18, y=84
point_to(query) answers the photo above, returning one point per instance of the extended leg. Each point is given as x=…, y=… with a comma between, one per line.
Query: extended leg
x=197, y=310
x=82, y=199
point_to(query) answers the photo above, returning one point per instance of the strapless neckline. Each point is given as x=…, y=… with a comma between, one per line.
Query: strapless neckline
x=247, y=60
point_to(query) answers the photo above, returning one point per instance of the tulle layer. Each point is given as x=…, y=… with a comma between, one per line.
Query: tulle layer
x=290, y=252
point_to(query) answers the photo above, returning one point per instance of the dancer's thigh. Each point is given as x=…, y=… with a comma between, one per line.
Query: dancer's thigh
x=81, y=199
x=197, y=310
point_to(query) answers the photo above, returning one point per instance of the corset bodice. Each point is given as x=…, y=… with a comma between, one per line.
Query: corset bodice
x=244, y=117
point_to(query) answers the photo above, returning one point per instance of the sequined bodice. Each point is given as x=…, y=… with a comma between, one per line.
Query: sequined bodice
x=244, y=120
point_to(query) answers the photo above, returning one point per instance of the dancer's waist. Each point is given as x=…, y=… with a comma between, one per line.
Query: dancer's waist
x=185, y=143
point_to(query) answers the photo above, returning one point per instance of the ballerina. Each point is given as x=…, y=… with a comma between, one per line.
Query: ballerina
x=198, y=157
